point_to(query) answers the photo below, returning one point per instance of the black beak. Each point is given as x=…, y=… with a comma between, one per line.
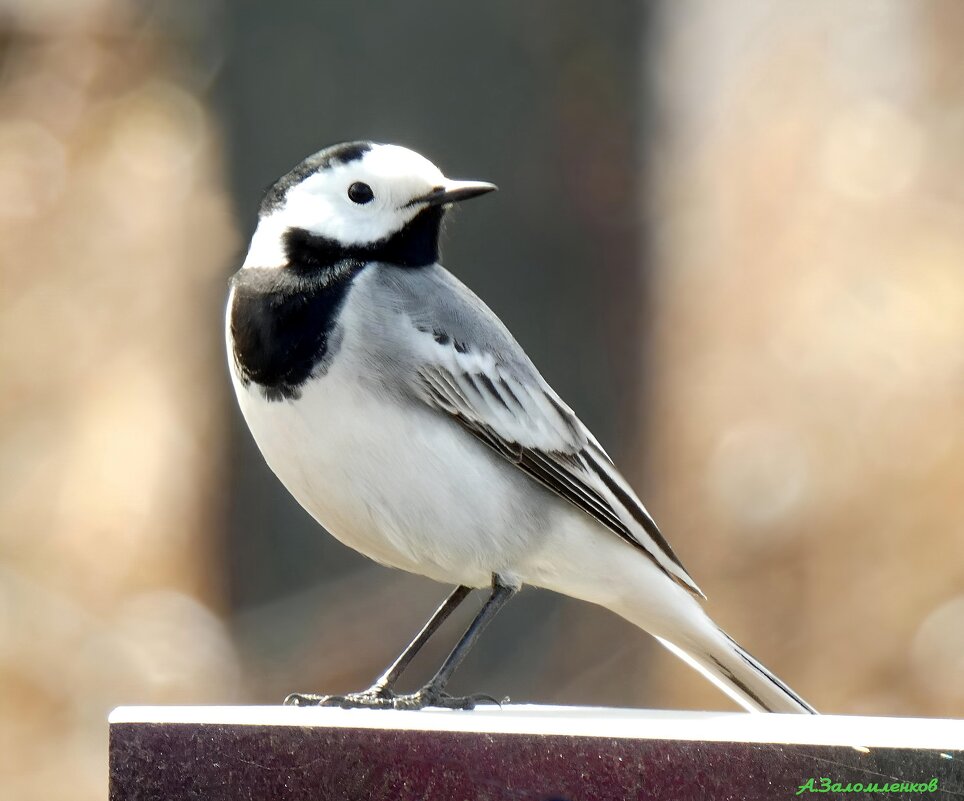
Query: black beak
x=453, y=192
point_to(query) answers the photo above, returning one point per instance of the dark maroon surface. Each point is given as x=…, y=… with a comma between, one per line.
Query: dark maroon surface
x=176, y=762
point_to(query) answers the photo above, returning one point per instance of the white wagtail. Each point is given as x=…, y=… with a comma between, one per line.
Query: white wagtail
x=401, y=413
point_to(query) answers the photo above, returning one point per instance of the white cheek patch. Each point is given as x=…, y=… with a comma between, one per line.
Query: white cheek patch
x=320, y=204
x=267, y=245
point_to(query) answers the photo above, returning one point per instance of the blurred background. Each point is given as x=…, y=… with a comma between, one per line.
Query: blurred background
x=732, y=237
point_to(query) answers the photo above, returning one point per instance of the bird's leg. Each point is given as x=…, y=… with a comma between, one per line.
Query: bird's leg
x=381, y=693
x=432, y=693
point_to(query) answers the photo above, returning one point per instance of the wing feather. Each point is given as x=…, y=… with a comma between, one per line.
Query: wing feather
x=521, y=418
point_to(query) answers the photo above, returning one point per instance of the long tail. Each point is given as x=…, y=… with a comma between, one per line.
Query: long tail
x=587, y=562
x=725, y=663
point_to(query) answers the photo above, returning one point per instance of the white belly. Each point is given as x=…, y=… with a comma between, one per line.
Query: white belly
x=402, y=485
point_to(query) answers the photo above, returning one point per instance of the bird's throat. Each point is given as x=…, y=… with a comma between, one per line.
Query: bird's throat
x=415, y=245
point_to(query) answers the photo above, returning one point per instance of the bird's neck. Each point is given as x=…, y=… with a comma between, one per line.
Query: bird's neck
x=285, y=304
x=305, y=252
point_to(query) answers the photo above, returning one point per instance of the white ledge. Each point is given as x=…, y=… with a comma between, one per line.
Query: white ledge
x=834, y=730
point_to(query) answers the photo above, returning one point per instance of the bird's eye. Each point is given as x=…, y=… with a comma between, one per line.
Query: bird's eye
x=360, y=193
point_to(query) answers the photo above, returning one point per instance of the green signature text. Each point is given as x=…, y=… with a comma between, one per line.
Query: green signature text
x=824, y=785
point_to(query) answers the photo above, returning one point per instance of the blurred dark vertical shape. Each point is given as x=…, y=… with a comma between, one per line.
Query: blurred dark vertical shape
x=542, y=99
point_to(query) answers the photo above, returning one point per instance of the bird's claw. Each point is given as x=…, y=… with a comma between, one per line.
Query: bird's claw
x=372, y=698
x=428, y=697
x=381, y=698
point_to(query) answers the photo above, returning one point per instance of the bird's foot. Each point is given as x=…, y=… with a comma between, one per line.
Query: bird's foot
x=373, y=698
x=383, y=698
x=429, y=696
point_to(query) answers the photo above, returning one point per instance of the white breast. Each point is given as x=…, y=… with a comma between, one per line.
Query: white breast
x=394, y=480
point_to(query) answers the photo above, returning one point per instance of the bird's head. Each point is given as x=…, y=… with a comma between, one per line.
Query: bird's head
x=357, y=200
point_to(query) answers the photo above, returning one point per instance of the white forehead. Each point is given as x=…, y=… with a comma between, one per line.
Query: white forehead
x=395, y=163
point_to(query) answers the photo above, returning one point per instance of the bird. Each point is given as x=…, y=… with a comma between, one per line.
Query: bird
x=402, y=414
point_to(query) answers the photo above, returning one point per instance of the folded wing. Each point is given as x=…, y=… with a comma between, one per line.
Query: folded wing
x=517, y=414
